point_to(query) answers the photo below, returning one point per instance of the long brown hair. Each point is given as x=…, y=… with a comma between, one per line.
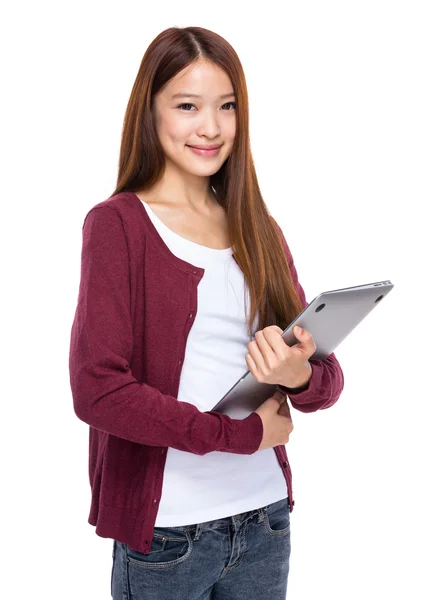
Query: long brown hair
x=254, y=235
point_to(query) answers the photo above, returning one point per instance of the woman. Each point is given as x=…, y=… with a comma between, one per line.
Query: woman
x=197, y=504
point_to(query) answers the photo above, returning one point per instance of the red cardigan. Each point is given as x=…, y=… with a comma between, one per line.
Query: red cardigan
x=136, y=305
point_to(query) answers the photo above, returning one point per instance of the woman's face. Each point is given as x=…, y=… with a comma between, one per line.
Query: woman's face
x=208, y=119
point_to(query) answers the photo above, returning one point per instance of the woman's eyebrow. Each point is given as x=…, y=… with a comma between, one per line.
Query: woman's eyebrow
x=189, y=95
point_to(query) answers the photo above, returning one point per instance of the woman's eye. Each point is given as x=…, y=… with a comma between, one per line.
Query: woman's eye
x=187, y=104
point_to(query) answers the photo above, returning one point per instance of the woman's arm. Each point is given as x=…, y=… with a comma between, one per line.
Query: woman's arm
x=106, y=395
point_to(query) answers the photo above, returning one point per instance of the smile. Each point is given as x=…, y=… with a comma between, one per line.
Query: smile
x=202, y=152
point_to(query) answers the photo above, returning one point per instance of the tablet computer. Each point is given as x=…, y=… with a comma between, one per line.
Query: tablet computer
x=330, y=317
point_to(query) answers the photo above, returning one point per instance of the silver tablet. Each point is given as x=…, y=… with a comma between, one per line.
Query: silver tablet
x=330, y=317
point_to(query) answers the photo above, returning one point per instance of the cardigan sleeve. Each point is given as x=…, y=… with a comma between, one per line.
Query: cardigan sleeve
x=105, y=393
x=327, y=380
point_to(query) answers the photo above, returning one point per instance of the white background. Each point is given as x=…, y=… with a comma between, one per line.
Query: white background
x=348, y=129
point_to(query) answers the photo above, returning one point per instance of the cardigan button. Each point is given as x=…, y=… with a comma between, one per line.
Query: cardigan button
x=285, y=464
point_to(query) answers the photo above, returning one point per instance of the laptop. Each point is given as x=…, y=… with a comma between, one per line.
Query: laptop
x=330, y=318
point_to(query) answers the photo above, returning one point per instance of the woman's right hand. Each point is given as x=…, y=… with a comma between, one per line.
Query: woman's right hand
x=276, y=419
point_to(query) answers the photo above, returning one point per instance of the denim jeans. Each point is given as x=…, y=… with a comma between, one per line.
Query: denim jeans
x=243, y=557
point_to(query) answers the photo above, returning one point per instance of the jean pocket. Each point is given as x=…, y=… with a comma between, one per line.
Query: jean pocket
x=277, y=519
x=169, y=548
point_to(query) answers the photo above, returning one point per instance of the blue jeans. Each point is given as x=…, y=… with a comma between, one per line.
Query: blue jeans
x=243, y=557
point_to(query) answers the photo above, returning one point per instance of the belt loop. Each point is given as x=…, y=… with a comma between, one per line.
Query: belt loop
x=261, y=512
x=197, y=532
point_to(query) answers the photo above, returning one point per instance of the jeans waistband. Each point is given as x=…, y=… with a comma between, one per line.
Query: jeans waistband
x=236, y=520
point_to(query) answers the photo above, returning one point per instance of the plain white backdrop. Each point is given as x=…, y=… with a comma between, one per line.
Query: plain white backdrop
x=348, y=129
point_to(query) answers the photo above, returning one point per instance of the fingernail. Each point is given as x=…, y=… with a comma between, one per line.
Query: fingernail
x=298, y=329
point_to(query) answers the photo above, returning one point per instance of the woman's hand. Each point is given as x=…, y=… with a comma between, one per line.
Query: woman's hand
x=270, y=360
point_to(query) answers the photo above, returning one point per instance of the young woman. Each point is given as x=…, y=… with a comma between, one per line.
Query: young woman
x=187, y=281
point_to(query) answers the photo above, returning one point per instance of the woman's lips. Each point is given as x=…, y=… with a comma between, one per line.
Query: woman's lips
x=202, y=152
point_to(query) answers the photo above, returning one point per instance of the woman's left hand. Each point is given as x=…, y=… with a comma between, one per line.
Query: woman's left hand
x=270, y=360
